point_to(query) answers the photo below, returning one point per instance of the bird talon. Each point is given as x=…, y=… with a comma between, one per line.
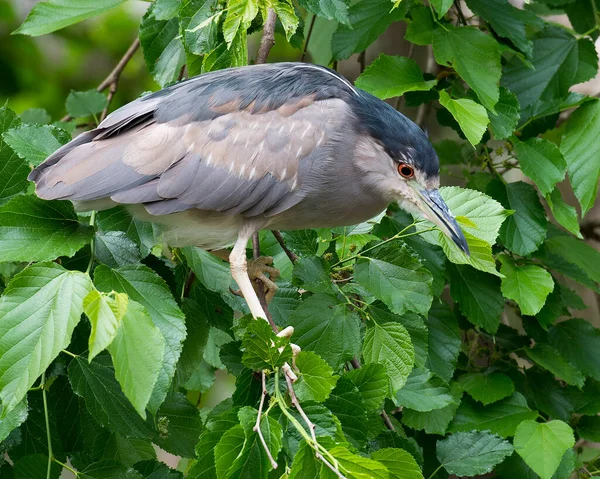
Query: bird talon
x=236, y=292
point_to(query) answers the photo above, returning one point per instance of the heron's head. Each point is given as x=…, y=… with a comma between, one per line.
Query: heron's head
x=408, y=166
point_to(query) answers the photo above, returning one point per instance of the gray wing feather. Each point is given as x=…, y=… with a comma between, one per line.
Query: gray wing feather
x=229, y=159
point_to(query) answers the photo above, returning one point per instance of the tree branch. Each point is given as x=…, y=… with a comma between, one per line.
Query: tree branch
x=268, y=38
x=112, y=80
x=290, y=254
x=308, y=35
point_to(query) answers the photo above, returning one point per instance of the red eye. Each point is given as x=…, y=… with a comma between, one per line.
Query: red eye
x=405, y=170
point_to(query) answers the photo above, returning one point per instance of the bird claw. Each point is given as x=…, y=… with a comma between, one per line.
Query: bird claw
x=258, y=269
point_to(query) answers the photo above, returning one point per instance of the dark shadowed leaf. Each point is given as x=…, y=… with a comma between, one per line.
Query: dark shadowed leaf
x=542, y=161
x=550, y=359
x=328, y=328
x=96, y=384
x=501, y=418
x=579, y=342
x=115, y=249
x=443, y=342
x=367, y=20
x=487, y=388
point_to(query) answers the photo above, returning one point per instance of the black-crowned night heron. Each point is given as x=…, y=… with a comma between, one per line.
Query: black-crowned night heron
x=277, y=146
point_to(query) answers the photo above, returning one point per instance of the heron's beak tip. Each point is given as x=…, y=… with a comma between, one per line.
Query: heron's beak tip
x=439, y=213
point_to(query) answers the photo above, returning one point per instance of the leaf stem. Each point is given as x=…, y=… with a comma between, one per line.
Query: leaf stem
x=50, y=454
x=436, y=471
x=395, y=237
x=70, y=354
x=67, y=467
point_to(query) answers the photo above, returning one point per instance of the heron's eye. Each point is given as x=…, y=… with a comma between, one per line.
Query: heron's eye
x=405, y=170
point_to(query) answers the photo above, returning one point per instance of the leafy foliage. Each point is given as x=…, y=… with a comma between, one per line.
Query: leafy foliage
x=415, y=358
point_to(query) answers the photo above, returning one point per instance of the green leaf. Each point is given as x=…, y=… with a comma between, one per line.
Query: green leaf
x=588, y=428
x=476, y=58
x=37, y=116
x=96, y=384
x=487, y=388
x=523, y=232
x=471, y=116
x=51, y=15
x=199, y=25
x=35, y=466
x=478, y=296
x=287, y=16
x=38, y=311
x=444, y=341
x=34, y=143
x=355, y=466
x=528, y=285
x=396, y=277
x=305, y=465
x=85, y=103
x=508, y=112
x=137, y=352
x=581, y=151
x=347, y=405
x=105, y=314
x=166, y=9
x=550, y=359
x=328, y=328
x=316, y=379
x=119, y=219
x=420, y=29
x=372, y=381
x=240, y=14
x=143, y=285
x=182, y=425
x=507, y=21
x=13, y=170
x=313, y=274
x=542, y=445
x=579, y=342
x=472, y=453
x=13, y=419
x=501, y=417
x=162, y=47
x=577, y=253
x=399, y=463
x=389, y=344
x=330, y=9
x=484, y=212
x=261, y=347
x=115, y=249
x=388, y=77
x=564, y=214
x=367, y=20
x=436, y=421
x=36, y=230
x=542, y=89
x=441, y=6
x=424, y=392
x=542, y=161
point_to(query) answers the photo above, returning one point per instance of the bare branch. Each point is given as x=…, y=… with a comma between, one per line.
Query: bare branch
x=256, y=427
x=308, y=35
x=268, y=37
x=290, y=254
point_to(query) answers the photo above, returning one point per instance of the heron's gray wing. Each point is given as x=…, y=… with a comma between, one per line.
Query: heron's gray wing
x=241, y=161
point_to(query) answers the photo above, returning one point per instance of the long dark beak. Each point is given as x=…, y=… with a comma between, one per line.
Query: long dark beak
x=438, y=213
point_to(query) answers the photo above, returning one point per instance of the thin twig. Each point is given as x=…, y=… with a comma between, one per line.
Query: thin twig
x=362, y=60
x=290, y=254
x=189, y=282
x=47, y=420
x=257, y=425
x=387, y=422
x=308, y=35
x=268, y=38
x=296, y=404
x=112, y=79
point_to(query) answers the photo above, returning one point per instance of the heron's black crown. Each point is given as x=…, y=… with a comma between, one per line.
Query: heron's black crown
x=269, y=86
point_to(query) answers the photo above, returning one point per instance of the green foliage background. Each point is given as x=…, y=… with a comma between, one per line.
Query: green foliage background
x=416, y=360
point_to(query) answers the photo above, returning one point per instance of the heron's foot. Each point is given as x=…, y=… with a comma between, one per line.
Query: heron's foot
x=259, y=268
